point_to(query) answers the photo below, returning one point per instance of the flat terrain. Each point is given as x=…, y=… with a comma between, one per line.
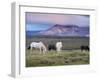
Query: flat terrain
x=52, y=58
x=68, y=42
x=70, y=54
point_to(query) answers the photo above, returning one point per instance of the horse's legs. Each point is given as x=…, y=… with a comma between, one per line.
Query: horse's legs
x=81, y=50
x=44, y=51
x=40, y=50
x=31, y=49
x=58, y=50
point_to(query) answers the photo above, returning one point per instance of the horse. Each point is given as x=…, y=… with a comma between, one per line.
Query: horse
x=51, y=47
x=38, y=45
x=84, y=48
x=59, y=46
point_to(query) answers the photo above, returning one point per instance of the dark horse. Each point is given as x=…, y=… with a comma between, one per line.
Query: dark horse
x=28, y=47
x=85, y=48
x=51, y=47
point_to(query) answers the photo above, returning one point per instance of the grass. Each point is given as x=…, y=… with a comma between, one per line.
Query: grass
x=68, y=42
x=52, y=58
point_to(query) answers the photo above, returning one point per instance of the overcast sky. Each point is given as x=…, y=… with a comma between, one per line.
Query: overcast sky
x=40, y=21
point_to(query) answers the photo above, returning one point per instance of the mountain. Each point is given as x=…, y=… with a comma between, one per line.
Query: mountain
x=61, y=30
x=66, y=30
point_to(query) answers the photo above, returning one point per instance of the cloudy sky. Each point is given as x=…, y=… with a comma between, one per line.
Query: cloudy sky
x=40, y=21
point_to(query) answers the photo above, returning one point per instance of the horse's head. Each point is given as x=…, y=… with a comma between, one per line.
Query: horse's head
x=43, y=46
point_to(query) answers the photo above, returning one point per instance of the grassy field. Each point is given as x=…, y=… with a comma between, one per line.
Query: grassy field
x=70, y=55
x=52, y=58
x=68, y=42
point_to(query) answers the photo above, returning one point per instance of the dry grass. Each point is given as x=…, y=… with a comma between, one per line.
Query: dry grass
x=52, y=58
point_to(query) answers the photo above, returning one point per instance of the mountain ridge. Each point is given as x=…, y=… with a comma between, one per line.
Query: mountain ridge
x=65, y=30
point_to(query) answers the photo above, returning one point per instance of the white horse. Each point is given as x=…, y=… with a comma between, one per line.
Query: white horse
x=59, y=46
x=38, y=45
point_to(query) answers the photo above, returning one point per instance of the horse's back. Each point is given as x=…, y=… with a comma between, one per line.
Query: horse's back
x=84, y=48
x=37, y=44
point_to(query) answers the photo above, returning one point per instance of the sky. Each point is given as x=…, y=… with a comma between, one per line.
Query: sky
x=37, y=27
x=43, y=21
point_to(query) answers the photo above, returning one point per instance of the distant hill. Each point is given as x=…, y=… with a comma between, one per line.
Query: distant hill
x=64, y=30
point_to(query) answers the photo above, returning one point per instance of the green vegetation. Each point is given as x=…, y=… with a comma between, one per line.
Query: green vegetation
x=68, y=42
x=52, y=58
